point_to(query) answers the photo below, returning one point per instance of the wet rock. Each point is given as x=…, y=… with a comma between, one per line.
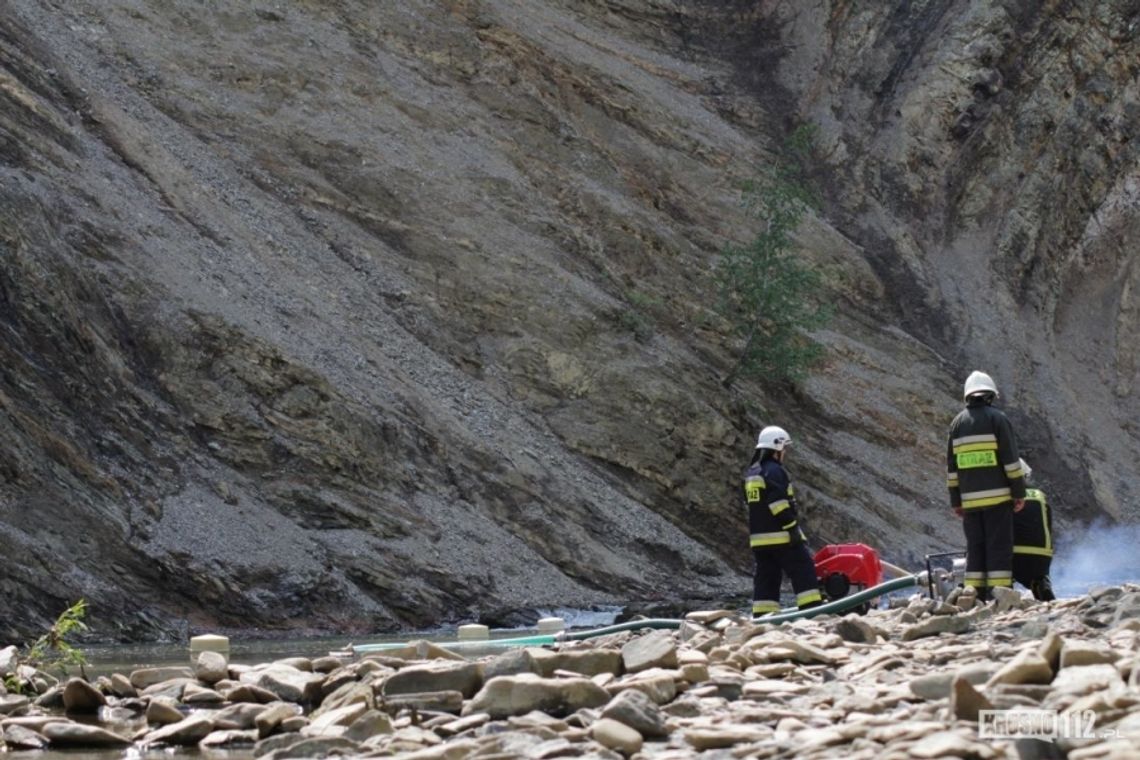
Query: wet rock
x=81, y=697
x=50, y=698
x=638, y=711
x=616, y=736
x=197, y=695
x=652, y=650
x=68, y=734
x=121, y=687
x=228, y=738
x=270, y=719
x=287, y=683
x=185, y=733
x=13, y=704
x=144, y=678
x=211, y=667
x=19, y=737
x=163, y=711
x=517, y=695
x=464, y=677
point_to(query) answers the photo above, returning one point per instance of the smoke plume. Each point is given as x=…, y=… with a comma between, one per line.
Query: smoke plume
x=1098, y=555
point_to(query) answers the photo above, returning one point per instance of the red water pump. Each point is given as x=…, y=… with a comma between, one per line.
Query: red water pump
x=843, y=569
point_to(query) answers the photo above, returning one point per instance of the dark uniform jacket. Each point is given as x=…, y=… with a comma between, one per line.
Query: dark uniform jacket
x=772, y=518
x=1033, y=526
x=982, y=465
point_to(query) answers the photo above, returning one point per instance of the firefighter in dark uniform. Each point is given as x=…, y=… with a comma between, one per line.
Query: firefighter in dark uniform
x=1033, y=542
x=777, y=540
x=986, y=483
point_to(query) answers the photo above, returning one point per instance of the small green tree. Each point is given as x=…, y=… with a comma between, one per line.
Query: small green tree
x=53, y=650
x=769, y=296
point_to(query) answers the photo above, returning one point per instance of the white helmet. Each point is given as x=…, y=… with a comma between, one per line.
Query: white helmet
x=1025, y=468
x=979, y=382
x=772, y=437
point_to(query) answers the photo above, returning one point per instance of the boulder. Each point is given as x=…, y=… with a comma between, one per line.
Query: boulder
x=652, y=650
x=79, y=696
x=636, y=710
x=211, y=667
x=121, y=687
x=440, y=675
x=20, y=737
x=241, y=716
x=504, y=696
x=287, y=683
x=617, y=736
x=271, y=717
x=70, y=734
x=172, y=688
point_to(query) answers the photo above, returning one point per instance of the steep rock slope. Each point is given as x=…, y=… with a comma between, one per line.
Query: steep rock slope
x=353, y=316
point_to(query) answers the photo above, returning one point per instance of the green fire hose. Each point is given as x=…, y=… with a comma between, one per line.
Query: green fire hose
x=783, y=616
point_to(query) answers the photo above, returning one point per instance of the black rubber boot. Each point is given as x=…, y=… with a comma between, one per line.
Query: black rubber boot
x=1042, y=589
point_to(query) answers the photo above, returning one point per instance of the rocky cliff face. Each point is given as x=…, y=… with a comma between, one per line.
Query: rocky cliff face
x=350, y=316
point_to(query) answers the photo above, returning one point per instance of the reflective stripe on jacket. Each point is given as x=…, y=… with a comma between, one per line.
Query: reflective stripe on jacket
x=982, y=465
x=1033, y=526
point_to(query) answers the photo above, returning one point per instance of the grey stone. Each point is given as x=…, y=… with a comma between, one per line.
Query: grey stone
x=295, y=723
x=121, y=686
x=966, y=701
x=1050, y=650
x=636, y=710
x=211, y=667
x=266, y=746
x=186, y=732
x=13, y=704
x=315, y=747
x=270, y=718
x=428, y=701
x=69, y=734
x=50, y=698
x=172, y=688
x=1085, y=679
x=1027, y=667
x=342, y=716
x=856, y=630
x=1078, y=653
x=1005, y=599
x=933, y=626
x=466, y=723
x=81, y=697
x=659, y=686
x=588, y=662
x=327, y=664
x=241, y=716
x=247, y=692
x=350, y=693
x=652, y=650
x=517, y=695
x=440, y=675
x=949, y=744
x=511, y=662
x=616, y=736
x=162, y=711
x=194, y=694
x=1037, y=749
x=368, y=724
x=20, y=737
x=230, y=737
x=725, y=735
x=303, y=664
x=146, y=677
x=287, y=683
x=423, y=650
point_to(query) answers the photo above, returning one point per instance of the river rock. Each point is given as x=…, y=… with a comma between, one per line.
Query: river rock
x=248, y=692
x=50, y=698
x=194, y=694
x=315, y=747
x=172, y=688
x=146, y=677
x=121, y=687
x=79, y=696
x=441, y=675
x=517, y=695
x=466, y=723
x=230, y=737
x=1077, y=653
x=239, y=717
x=303, y=664
x=186, y=732
x=342, y=716
x=426, y=701
x=722, y=736
x=368, y=724
x=1027, y=667
x=272, y=716
x=616, y=736
x=350, y=693
x=660, y=686
x=854, y=629
x=287, y=683
x=1083, y=679
x=70, y=734
x=1005, y=599
x=422, y=649
x=511, y=662
x=211, y=667
x=635, y=709
x=13, y=704
x=652, y=650
x=20, y=737
x=966, y=701
x=587, y=662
